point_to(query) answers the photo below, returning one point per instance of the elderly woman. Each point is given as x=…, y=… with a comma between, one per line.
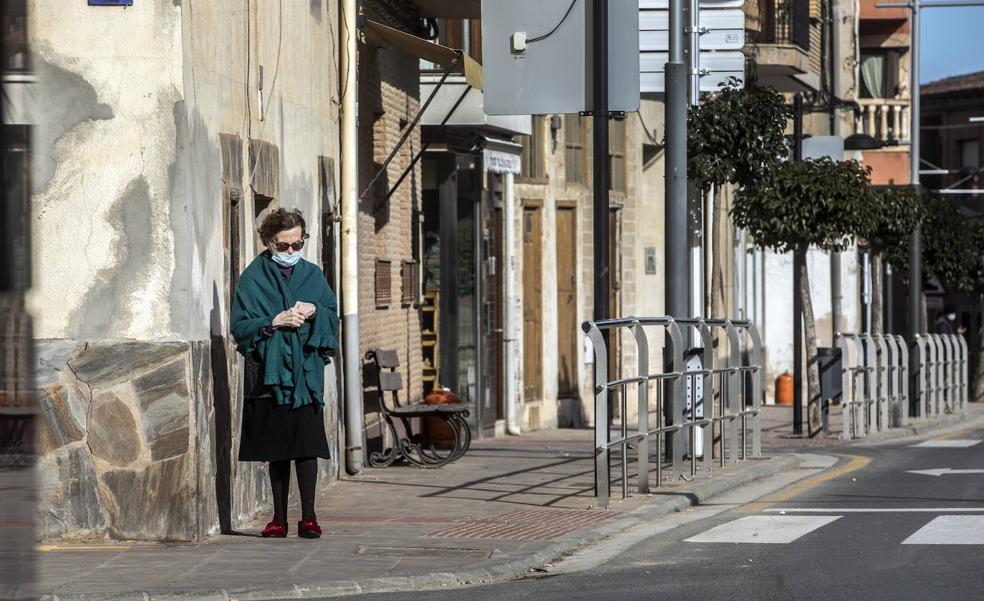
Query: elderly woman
x=285, y=323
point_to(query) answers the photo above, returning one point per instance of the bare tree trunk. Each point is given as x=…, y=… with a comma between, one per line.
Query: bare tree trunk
x=810, y=338
x=719, y=307
x=877, y=294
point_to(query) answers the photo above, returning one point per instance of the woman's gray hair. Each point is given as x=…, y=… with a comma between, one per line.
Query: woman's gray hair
x=279, y=220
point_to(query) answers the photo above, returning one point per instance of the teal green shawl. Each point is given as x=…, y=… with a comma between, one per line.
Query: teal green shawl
x=293, y=359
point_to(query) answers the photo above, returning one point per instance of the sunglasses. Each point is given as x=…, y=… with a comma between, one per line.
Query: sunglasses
x=283, y=246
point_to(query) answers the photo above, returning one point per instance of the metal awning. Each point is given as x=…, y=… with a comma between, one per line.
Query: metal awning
x=429, y=51
x=453, y=61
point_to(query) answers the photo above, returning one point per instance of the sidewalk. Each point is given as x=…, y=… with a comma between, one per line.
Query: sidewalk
x=777, y=428
x=510, y=505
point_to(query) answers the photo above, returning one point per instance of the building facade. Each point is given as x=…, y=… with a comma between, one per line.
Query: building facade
x=164, y=134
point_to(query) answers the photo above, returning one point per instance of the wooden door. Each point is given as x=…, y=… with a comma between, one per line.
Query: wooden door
x=567, y=331
x=532, y=304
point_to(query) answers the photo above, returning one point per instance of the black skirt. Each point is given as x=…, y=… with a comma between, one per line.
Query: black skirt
x=273, y=432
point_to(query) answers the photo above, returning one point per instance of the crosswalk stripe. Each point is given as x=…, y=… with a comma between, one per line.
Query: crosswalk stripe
x=768, y=529
x=950, y=530
x=954, y=443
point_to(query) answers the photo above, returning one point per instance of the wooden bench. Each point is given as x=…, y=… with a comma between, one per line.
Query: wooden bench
x=407, y=446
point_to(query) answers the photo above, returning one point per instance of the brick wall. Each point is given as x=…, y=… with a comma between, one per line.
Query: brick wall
x=388, y=99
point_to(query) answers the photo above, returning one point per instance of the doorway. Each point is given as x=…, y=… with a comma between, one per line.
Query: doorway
x=532, y=304
x=567, y=331
x=492, y=408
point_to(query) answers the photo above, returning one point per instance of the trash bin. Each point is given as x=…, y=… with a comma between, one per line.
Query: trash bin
x=829, y=361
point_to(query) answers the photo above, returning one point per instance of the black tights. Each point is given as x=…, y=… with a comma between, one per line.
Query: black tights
x=307, y=481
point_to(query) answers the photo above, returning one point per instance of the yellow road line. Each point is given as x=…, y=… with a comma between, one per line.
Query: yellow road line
x=856, y=462
x=50, y=548
x=955, y=434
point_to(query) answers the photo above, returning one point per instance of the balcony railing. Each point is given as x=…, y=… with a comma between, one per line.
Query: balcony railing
x=783, y=22
x=885, y=119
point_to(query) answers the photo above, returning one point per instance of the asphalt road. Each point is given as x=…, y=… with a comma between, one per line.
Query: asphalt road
x=866, y=529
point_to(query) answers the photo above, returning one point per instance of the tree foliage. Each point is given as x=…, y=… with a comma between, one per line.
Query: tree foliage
x=952, y=246
x=816, y=202
x=900, y=210
x=736, y=135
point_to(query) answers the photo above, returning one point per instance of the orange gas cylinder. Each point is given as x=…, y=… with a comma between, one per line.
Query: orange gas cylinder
x=784, y=389
x=437, y=430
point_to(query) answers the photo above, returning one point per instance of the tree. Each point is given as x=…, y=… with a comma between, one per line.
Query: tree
x=900, y=210
x=948, y=245
x=819, y=203
x=733, y=137
x=953, y=253
x=977, y=239
x=736, y=135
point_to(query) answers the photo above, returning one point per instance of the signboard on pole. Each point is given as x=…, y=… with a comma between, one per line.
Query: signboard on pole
x=721, y=37
x=704, y=4
x=720, y=30
x=716, y=68
x=536, y=56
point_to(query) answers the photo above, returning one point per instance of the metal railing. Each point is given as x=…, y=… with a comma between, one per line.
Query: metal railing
x=941, y=383
x=725, y=397
x=882, y=383
x=783, y=22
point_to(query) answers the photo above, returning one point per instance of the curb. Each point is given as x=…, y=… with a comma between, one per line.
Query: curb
x=966, y=418
x=495, y=571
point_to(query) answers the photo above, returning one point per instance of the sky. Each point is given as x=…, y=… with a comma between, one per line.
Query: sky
x=952, y=41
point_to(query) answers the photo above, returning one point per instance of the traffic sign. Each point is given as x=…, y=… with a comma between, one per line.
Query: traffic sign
x=716, y=69
x=720, y=30
x=704, y=4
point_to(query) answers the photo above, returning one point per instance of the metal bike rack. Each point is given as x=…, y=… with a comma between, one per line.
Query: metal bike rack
x=673, y=380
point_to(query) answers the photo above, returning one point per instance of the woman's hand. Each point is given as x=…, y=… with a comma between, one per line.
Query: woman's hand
x=305, y=309
x=291, y=318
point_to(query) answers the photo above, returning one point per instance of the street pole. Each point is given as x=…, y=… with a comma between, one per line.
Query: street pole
x=915, y=240
x=600, y=171
x=675, y=222
x=797, y=283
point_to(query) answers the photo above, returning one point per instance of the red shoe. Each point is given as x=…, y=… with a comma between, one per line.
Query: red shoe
x=274, y=530
x=309, y=529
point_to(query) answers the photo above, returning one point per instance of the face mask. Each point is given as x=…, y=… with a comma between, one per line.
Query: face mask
x=951, y=316
x=285, y=259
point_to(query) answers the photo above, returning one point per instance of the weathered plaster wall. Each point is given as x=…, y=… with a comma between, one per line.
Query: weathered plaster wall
x=140, y=379
x=106, y=144
x=778, y=307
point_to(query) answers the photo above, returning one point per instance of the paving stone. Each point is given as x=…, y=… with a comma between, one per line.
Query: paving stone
x=61, y=416
x=105, y=364
x=162, y=397
x=69, y=500
x=112, y=429
x=50, y=358
x=154, y=503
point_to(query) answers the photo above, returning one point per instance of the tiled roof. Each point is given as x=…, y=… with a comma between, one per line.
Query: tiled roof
x=957, y=83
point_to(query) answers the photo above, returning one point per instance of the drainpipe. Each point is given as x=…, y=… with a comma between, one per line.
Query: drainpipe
x=509, y=311
x=351, y=355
